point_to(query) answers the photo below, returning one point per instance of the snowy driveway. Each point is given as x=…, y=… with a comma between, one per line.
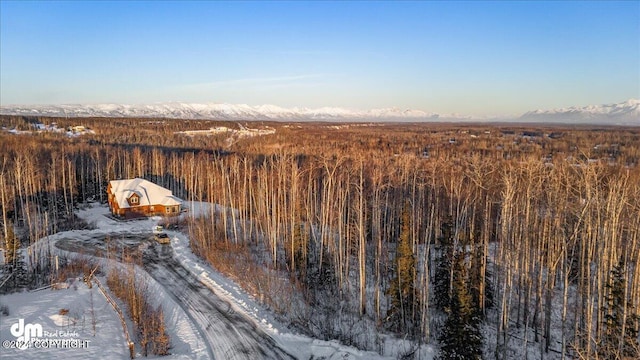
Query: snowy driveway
x=228, y=333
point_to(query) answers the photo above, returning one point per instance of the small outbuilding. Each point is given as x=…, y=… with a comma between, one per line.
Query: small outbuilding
x=139, y=197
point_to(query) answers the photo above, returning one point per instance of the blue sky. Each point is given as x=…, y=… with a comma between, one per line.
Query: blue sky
x=483, y=58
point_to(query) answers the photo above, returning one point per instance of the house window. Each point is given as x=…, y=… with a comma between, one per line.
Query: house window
x=134, y=200
x=168, y=210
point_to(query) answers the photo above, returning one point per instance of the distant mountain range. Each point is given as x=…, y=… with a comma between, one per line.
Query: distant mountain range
x=625, y=113
x=213, y=111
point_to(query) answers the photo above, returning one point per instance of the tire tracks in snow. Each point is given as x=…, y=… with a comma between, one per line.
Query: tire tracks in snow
x=230, y=334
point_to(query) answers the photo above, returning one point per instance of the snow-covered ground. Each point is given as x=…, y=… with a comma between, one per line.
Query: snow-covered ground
x=187, y=342
x=73, y=131
x=36, y=307
x=233, y=134
x=43, y=308
x=243, y=132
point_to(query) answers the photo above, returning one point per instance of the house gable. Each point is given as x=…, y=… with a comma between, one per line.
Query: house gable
x=133, y=200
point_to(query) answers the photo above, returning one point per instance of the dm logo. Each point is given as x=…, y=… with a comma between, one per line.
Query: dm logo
x=24, y=333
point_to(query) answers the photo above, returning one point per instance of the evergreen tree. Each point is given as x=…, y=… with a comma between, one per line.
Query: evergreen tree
x=298, y=256
x=620, y=339
x=476, y=281
x=401, y=313
x=442, y=281
x=11, y=246
x=14, y=263
x=461, y=337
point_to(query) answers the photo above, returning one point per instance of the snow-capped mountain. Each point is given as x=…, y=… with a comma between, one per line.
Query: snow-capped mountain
x=624, y=113
x=221, y=112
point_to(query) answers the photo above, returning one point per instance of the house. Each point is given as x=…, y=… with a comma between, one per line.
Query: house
x=138, y=197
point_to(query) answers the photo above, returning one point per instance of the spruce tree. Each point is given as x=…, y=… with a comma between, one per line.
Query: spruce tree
x=11, y=245
x=442, y=281
x=401, y=312
x=620, y=339
x=476, y=281
x=14, y=264
x=461, y=337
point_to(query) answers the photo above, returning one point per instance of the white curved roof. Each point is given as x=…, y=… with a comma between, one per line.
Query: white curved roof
x=149, y=193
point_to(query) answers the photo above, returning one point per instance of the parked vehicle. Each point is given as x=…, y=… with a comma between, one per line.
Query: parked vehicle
x=162, y=238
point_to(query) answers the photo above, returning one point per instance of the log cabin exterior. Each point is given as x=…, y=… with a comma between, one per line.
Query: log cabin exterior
x=137, y=197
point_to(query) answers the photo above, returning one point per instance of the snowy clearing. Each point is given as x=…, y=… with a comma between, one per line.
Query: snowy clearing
x=44, y=308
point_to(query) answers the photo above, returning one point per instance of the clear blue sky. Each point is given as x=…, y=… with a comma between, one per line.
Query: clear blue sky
x=464, y=57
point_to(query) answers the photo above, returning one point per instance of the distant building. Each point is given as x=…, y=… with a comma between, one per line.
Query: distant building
x=138, y=197
x=77, y=128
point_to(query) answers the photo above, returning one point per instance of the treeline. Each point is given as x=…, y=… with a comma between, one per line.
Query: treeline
x=539, y=235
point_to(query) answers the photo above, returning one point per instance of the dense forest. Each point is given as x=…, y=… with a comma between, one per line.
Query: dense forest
x=485, y=240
